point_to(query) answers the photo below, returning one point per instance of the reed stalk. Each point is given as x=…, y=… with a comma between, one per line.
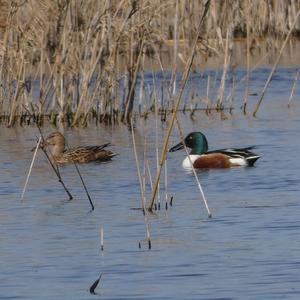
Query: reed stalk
x=156, y=140
x=166, y=181
x=130, y=98
x=175, y=49
x=57, y=173
x=227, y=56
x=31, y=166
x=83, y=183
x=101, y=239
x=208, y=105
x=142, y=87
x=293, y=88
x=230, y=95
x=55, y=169
x=15, y=100
x=84, y=186
x=275, y=66
x=193, y=169
x=145, y=170
x=78, y=49
x=171, y=124
x=143, y=194
x=149, y=174
x=248, y=59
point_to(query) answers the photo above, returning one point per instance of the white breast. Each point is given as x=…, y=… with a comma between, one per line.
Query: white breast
x=186, y=162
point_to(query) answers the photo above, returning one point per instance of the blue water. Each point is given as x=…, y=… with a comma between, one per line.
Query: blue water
x=249, y=249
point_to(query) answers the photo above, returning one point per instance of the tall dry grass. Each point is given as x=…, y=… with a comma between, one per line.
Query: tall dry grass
x=68, y=60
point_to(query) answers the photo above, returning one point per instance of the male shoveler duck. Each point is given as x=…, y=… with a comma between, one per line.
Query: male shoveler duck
x=224, y=158
x=84, y=154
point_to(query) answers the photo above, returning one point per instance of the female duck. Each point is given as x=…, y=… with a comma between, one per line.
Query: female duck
x=224, y=158
x=84, y=154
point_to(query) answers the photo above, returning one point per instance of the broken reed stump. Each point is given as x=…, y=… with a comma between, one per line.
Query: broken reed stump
x=94, y=285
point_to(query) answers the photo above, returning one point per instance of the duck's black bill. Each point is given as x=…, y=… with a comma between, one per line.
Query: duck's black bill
x=177, y=147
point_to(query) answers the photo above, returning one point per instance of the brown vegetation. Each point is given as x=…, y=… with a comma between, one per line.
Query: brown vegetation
x=65, y=59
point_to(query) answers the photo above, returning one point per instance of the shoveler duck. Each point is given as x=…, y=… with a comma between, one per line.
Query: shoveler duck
x=83, y=154
x=224, y=158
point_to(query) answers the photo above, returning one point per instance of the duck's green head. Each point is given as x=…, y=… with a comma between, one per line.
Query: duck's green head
x=196, y=141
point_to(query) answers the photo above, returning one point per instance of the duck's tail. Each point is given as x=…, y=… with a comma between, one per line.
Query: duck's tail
x=112, y=154
x=252, y=159
x=243, y=153
x=249, y=156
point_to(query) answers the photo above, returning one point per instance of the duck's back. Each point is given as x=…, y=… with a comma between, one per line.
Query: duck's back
x=85, y=154
x=239, y=155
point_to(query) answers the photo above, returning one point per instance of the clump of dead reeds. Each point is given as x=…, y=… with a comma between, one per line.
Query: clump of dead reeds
x=73, y=61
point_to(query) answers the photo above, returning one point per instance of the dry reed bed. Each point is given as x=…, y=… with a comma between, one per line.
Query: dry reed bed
x=73, y=60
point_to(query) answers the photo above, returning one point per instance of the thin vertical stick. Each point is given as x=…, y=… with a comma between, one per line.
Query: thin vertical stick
x=227, y=56
x=194, y=171
x=129, y=100
x=31, y=165
x=142, y=85
x=144, y=168
x=208, y=105
x=102, y=238
x=293, y=88
x=244, y=78
x=149, y=174
x=137, y=163
x=141, y=186
x=55, y=169
x=275, y=66
x=156, y=143
x=166, y=180
x=232, y=93
x=84, y=186
x=171, y=124
x=248, y=58
x=83, y=183
x=174, y=72
x=17, y=93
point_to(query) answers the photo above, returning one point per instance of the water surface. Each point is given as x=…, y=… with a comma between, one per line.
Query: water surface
x=50, y=247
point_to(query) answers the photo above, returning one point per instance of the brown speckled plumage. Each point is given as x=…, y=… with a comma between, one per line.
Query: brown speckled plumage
x=83, y=154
